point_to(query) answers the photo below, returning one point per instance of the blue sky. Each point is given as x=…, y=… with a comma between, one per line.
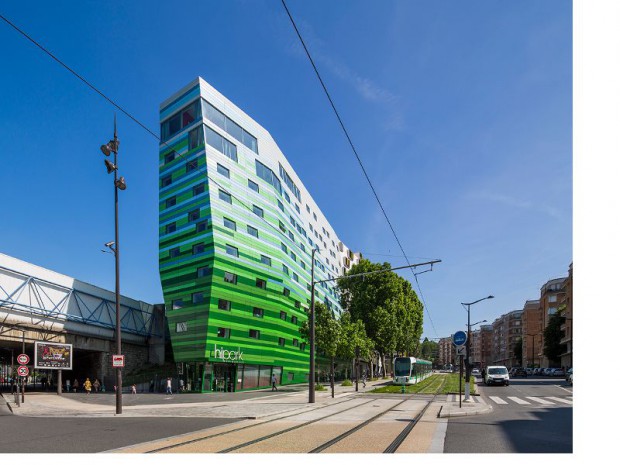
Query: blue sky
x=460, y=111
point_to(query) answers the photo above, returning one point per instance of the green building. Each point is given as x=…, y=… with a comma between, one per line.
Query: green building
x=236, y=231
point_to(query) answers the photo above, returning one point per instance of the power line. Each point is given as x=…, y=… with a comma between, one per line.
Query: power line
x=346, y=133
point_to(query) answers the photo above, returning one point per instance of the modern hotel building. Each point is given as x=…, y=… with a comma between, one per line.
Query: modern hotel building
x=236, y=232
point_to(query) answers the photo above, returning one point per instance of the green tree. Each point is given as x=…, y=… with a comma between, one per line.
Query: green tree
x=386, y=304
x=553, y=348
x=326, y=334
x=352, y=335
x=429, y=350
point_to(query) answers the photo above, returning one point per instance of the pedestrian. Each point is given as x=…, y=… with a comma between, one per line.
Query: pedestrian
x=181, y=385
x=68, y=385
x=43, y=383
x=273, y=382
x=169, y=386
x=76, y=385
x=133, y=389
x=96, y=385
x=152, y=386
x=88, y=386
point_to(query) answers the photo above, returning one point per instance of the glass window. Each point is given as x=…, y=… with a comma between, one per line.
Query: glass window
x=201, y=226
x=261, y=283
x=223, y=171
x=287, y=197
x=295, y=277
x=203, y=271
x=285, y=269
x=195, y=138
x=223, y=332
x=258, y=211
x=166, y=181
x=291, y=236
x=293, y=257
x=170, y=228
x=281, y=226
x=254, y=333
x=297, y=208
x=252, y=231
x=225, y=196
x=258, y=312
x=307, y=208
x=175, y=252
x=294, y=320
x=283, y=316
x=214, y=115
x=252, y=185
x=230, y=224
x=230, y=250
x=228, y=125
x=283, y=247
x=234, y=129
x=553, y=298
x=191, y=166
x=265, y=376
x=230, y=277
x=280, y=205
x=269, y=176
x=172, y=201
x=281, y=341
x=189, y=114
x=193, y=215
x=250, y=376
x=170, y=156
x=198, y=248
x=177, y=303
x=249, y=141
x=221, y=144
x=286, y=292
x=223, y=304
x=197, y=297
x=265, y=260
x=295, y=342
x=199, y=189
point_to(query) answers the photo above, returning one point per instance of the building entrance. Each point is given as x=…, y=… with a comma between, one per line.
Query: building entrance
x=224, y=377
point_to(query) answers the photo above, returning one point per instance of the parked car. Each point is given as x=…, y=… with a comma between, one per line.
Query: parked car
x=519, y=372
x=511, y=371
x=496, y=375
x=569, y=372
x=529, y=371
x=475, y=372
x=558, y=372
x=548, y=371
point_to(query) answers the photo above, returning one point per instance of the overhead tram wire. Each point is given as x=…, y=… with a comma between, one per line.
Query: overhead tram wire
x=138, y=122
x=346, y=133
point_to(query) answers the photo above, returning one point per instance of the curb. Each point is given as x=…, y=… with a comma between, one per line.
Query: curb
x=8, y=404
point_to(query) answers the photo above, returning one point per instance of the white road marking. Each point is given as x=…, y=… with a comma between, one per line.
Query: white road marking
x=519, y=401
x=559, y=399
x=497, y=400
x=540, y=401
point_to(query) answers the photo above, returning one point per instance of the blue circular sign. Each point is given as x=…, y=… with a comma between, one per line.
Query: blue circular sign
x=459, y=338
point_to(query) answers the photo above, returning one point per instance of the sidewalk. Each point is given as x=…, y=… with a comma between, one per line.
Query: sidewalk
x=247, y=405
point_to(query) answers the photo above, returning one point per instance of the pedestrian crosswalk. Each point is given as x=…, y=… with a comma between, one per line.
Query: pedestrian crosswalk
x=527, y=400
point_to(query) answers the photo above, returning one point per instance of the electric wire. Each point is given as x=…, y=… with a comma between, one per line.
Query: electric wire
x=346, y=133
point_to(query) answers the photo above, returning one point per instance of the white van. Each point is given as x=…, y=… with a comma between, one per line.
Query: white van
x=496, y=375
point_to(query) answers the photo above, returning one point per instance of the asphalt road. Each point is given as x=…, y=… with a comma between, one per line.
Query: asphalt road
x=517, y=426
x=88, y=435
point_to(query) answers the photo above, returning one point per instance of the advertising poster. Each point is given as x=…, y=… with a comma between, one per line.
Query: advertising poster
x=53, y=356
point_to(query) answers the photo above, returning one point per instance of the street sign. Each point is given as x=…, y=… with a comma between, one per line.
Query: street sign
x=23, y=359
x=23, y=371
x=118, y=361
x=459, y=338
x=460, y=350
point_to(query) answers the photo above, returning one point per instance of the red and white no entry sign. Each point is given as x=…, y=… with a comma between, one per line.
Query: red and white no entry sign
x=23, y=359
x=118, y=361
x=23, y=371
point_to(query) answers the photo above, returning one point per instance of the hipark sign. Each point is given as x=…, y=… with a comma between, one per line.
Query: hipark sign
x=228, y=355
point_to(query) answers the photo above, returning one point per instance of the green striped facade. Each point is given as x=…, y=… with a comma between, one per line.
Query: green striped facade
x=236, y=229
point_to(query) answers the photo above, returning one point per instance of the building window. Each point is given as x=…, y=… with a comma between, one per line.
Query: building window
x=169, y=157
x=293, y=257
x=191, y=166
x=171, y=202
x=258, y=312
x=553, y=298
x=280, y=205
x=223, y=171
x=198, y=248
x=297, y=304
x=181, y=327
x=166, y=181
x=175, y=252
x=252, y=231
x=230, y=250
x=223, y=333
x=314, y=216
x=252, y=185
x=203, y=271
x=223, y=304
x=225, y=196
x=177, y=303
x=297, y=208
x=286, y=197
x=224, y=122
x=193, y=215
x=230, y=277
x=286, y=292
x=221, y=144
x=230, y=224
x=295, y=277
x=258, y=211
x=170, y=228
x=291, y=236
x=269, y=176
x=199, y=189
x=261, y=283
x=285, y=269
x=283, y=316
x=265, y=260
x=195, y=138
x=255, y=334
x=201, y=226
x=197, y=297
x=294, y=320
x=281, y=341
x=281, y=226
x=295, y=343
x=283, y=247
x=180, y=120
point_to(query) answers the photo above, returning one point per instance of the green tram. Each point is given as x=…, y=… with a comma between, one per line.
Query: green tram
x=411, y=370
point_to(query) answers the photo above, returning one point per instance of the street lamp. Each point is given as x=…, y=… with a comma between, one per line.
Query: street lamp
x=119, y=183
x=468, y=346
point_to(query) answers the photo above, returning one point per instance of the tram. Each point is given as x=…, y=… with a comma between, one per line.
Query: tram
x=411, y=370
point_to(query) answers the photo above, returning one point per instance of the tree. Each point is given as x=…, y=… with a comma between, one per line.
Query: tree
x=386, y=304
x=553, y=334
x=429, y=350
x=326, y=334
x=352, y=335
